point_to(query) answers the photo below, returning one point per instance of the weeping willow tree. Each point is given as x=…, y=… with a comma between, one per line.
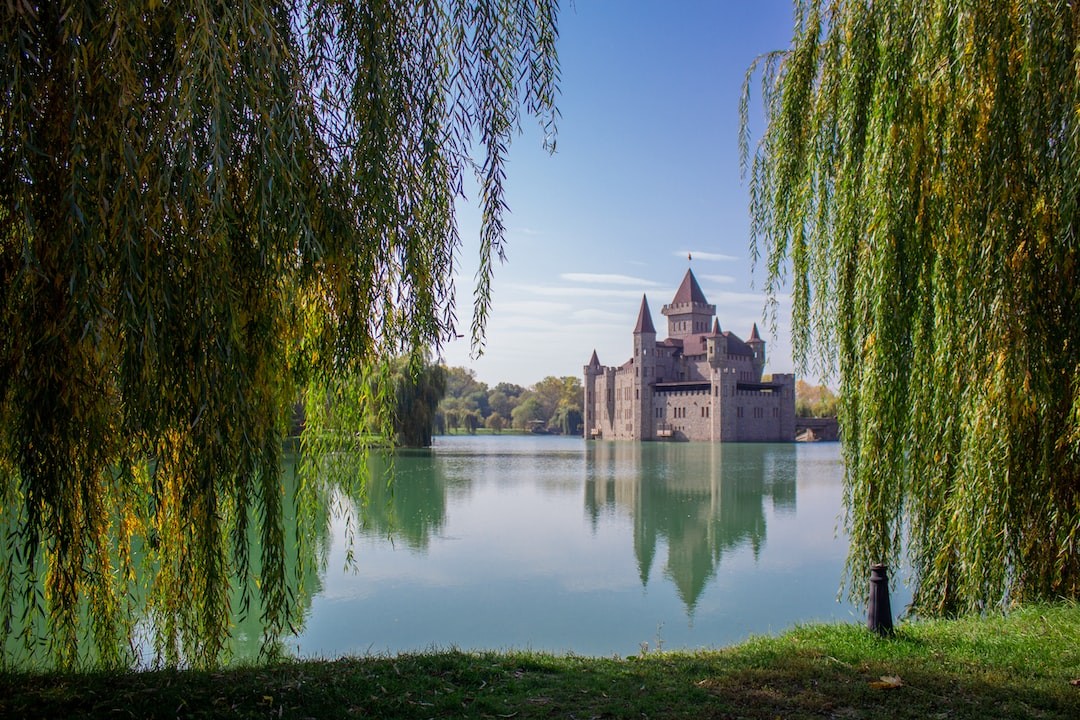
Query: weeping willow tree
x=208, y=209
x=916, y=186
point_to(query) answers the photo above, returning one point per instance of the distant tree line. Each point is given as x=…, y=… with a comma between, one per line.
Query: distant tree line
x=815, y=400
x=552, y=405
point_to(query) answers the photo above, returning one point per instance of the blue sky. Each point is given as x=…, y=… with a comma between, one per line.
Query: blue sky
x=646, y=171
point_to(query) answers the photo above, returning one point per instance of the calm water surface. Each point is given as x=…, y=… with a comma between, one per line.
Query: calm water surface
x=594, y=548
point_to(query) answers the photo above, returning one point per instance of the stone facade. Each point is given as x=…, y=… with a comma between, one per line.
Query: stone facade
x=700, y=383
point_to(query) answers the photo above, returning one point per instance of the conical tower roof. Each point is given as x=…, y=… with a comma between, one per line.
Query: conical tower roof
x=716, y=326
x=689, y=291
x=594, y=361
x=644, y=319
x=754, y=334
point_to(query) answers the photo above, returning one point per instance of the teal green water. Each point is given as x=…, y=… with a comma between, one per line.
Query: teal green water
x=588, y=547
x=563, y=545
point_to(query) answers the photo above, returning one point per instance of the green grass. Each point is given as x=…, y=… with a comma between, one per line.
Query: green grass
x=1019, y=666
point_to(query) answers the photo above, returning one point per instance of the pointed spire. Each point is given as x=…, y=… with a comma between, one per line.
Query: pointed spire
x=689, y=291
x=594, y=361
x=716, y=326
x=644, y=319
x=754, y=334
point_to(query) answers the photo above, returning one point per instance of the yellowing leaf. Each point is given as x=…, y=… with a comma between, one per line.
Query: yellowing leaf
x=887, y=682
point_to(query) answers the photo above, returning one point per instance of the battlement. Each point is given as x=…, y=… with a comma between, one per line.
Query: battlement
x=686, y=308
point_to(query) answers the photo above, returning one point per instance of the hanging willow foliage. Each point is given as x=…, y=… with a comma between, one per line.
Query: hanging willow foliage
x=917, y=188
x=206, y=207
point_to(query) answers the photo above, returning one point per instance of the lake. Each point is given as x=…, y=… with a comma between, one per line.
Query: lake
x=593, y=548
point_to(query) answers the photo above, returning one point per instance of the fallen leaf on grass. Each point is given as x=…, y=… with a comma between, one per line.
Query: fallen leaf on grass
x=1075, y=683
x=887, y=682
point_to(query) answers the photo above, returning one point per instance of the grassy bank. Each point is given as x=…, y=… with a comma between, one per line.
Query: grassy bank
x=1025, y=665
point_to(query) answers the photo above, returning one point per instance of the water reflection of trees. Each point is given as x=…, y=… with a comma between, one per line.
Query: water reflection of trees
x=306, y=522
x=407, y=504
x=702, y=500
x=28, y=642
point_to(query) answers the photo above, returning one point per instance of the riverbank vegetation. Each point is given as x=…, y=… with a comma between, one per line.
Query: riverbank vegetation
x=1022, y=665
x=915, y=189
x=208, y=211
x=553, y=404
x=816, y=401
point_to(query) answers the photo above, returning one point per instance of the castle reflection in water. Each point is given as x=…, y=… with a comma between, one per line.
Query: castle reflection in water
x=701, y=501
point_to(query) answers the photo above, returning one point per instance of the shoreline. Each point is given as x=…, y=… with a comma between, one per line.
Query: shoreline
x=1023, y=664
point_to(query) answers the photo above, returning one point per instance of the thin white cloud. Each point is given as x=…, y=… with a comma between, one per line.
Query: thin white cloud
x=736, y=298
x=607, y=279
x=531, y=307
x=552, y=291
x=527, y=231
x=592, y=315
x=702, y=255
x=721, y=279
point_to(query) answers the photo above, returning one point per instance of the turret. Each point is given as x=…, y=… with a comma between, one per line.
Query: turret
x=644, y=371
x=758, y=346
x=644, y=324
x=716, y=343
x=594, y=367
x=590, y=415
x=688, y=313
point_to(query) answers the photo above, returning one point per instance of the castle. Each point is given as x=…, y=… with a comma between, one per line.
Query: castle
x=698, y=384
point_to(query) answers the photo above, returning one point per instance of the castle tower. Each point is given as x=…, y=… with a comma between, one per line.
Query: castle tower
x=758, y=346
x=717, y=346
x=689, y=312
x=592, y=371
x=644, y=373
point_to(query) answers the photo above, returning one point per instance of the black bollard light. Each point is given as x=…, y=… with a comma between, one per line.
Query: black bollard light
x=879, y=611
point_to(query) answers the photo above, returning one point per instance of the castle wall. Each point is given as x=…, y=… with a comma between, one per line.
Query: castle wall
x=758, y=417
x=622, y=425
x=616, y=408
x=688, y=414
x=722, y=399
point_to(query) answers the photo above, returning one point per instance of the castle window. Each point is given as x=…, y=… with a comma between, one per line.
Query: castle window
x=738, y=411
